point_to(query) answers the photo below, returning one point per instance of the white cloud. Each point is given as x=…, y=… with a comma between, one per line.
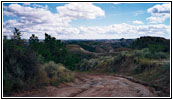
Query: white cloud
x=80, y=10
x=25, y=12
x=40, y=20
x=158, y=19
x=159, y=13
x=124, y=30
x=40, y=6
x=159, y=9
x=41, y=15
x=94, y=32
x=137, y=22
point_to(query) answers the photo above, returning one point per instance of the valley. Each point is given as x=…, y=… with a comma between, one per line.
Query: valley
x=87, y=68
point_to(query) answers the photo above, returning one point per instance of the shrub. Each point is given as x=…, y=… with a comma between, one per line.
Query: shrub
x=158, y=75
x=86, y=65
x=57, y=73
x=136, y=69
x=64, y=75
x=161, y=55
x=7, y=80
x=155, y=44
x=50, y=68
x=146, y=53
x=143, y=64
x=42, y=78
x=20, y=65
x=156, y=55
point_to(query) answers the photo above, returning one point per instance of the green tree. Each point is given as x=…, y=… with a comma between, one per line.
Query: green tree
x=33, y=39
x=16, y=34
x=20, y=64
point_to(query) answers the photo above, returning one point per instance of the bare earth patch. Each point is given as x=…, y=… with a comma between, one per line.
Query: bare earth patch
x=92, y=85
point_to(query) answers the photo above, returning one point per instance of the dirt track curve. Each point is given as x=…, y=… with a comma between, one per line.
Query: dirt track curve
x=93, y=85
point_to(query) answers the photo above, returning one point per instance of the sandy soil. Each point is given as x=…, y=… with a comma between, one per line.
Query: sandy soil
x=92, y=85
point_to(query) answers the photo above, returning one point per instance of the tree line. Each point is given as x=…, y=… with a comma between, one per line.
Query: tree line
x=23, y=60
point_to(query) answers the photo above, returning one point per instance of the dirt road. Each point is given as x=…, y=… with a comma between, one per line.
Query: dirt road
x=93, y=85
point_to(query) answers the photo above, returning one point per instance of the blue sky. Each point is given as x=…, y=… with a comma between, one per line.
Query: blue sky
x=88, y=20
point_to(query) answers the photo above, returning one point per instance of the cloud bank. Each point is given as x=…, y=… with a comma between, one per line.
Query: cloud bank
x=37, y=20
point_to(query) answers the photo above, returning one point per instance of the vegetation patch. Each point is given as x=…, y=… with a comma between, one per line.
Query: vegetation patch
x=33, y=65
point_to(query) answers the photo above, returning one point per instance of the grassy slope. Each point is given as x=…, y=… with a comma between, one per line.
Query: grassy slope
x=142, y=64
